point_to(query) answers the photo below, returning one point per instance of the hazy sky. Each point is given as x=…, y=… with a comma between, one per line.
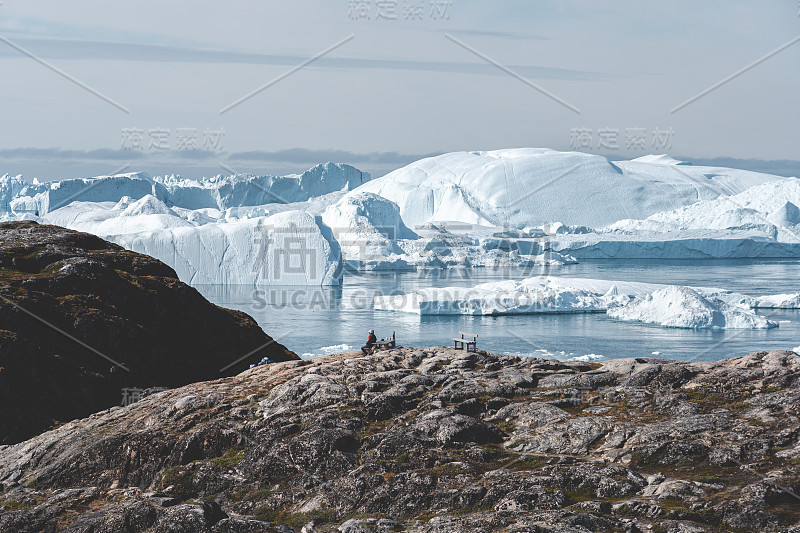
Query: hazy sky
x=388, y=90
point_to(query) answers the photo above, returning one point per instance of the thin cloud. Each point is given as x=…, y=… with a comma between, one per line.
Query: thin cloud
x=105, y=154
x=68, y=49
x=301, y=155
x=499, y=34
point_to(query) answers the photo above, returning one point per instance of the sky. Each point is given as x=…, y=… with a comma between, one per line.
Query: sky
x=199, y=88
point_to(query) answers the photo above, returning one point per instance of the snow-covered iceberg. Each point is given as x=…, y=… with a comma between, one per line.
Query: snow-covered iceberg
x=373, y=236
x=491, y=301
x=219, y=192
x=776, y=301
x=534, y=186
x=368, y=228
x=762, y=221
x=667, y=305
x=43, y=197
x=683, y=307
x=771, y=208
x=535, y=295
x=252, y=230
x=286, y=248
x=223, y=192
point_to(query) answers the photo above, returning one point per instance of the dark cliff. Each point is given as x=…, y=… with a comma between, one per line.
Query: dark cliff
x=73, y=307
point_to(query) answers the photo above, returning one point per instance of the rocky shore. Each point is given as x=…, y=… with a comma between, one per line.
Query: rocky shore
x=429, y=440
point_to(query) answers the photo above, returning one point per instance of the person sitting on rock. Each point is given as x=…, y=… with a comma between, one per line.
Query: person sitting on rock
x=371, y=340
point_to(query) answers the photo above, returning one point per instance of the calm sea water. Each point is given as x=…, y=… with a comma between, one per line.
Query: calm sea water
x=314, y=322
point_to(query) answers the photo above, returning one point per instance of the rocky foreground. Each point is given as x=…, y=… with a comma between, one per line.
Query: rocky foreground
x=81, y=319
x=429, y=440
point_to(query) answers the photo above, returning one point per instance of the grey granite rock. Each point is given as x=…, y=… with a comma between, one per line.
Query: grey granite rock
x=431, y=440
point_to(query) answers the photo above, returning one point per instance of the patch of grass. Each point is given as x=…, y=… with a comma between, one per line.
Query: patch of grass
x=506, y=426
x=496, y=452
x=708, y=474
x=346, y=414
x=676, y=509
x=448, y=469
x=182, y=482
x=250, y=495
x=295, y=520
x=640, y=459
x=402, y=458
x=374, y=428
x=710, y=479
x=581, y=495
x=672, y=504
x=530, y=463
x=230, y=459
x=19, y=505
x=709, y=399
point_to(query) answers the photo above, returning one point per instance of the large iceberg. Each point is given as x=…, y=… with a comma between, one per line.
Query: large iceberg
x=533, y=186
x=289, y=247
x=683, y=307
x=219, y=192
x=41, y=198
